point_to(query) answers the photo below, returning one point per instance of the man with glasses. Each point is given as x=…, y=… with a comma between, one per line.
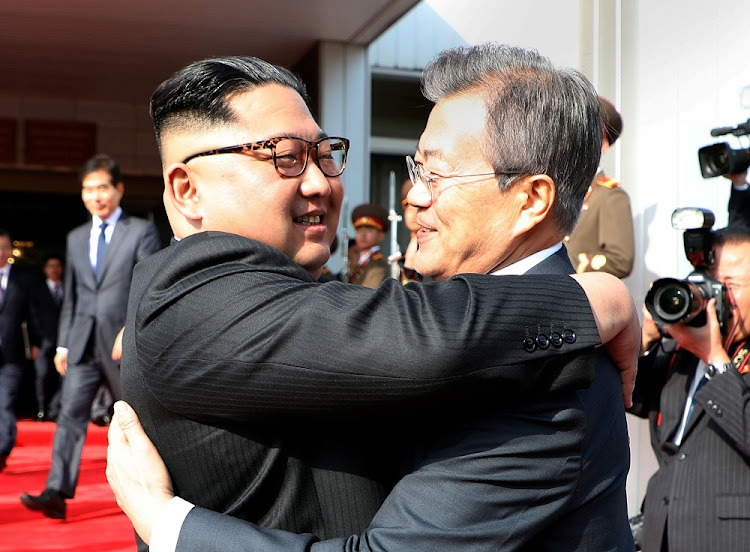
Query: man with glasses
x=283, y=401
x=696, y=397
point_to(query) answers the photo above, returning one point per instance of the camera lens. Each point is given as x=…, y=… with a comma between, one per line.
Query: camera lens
x=671, y=302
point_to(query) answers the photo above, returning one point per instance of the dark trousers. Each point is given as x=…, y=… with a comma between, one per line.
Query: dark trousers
x=47, y=381
x=10, y=381
x=79, y=388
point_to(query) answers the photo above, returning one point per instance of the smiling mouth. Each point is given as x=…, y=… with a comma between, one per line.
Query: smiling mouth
x=308, y=220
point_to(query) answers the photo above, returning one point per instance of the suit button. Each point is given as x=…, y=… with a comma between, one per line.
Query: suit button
x=665, y=500
x=556, y=339
x=681, y=456
x=542, y=341
x=529, y=344
x=569, y=336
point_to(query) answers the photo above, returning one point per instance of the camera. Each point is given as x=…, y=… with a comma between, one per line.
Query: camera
x=720, y=159
x=673, y=301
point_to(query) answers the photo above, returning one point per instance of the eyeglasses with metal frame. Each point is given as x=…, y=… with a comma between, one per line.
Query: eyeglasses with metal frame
x=418, y=174
x=290, y=154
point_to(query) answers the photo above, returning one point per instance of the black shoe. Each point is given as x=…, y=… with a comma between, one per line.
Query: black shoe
x=50, y=503
x=3, y=461
x=101, y=421
x=40, y=416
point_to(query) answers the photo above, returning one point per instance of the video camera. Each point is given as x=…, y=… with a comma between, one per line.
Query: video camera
x=673, y=301
x=720, y=159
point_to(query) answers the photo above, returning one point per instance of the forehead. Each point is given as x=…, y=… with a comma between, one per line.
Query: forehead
x=455, y=128
x=268, y=111
x=733, y=260
x=97, y=178
x=273, y=110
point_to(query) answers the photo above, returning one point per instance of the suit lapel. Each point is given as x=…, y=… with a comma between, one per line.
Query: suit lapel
x=118, y=236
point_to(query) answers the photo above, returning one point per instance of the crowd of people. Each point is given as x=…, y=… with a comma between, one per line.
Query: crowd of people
x=467, y=405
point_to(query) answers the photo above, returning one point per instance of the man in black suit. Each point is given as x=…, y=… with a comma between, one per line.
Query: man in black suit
x=100, y=257
x=696, y=397
x=261, y=374
x=16, y=307
x=48, y=299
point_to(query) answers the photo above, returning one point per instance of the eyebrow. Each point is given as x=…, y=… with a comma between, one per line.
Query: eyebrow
x=436, y=153
x=320, y=135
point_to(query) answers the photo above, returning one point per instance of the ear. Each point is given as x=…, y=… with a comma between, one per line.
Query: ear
x=181, y=191
x=536, y=197
x=120, y=187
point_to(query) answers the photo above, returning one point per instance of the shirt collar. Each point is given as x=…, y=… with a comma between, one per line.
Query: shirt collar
x=527, y=263
x=111, y=220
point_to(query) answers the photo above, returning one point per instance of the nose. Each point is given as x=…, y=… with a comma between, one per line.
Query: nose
x=419, y=195
x=314, y=182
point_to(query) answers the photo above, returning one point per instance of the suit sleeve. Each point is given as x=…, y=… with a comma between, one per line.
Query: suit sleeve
x=69, y=299
x=226, y=343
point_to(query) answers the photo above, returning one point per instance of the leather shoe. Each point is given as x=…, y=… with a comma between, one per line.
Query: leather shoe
x=3, y=461
x=101, y=421
x=50, y=503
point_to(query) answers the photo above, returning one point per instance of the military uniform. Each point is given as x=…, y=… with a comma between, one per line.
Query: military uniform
x=372, y=267
x=604, y=233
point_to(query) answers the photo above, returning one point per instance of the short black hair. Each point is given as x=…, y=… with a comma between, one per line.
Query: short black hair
x=199, y=94
x=101, y=162
x=734, y=234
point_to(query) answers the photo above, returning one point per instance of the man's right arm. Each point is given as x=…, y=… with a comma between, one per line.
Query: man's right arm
x=285, y=347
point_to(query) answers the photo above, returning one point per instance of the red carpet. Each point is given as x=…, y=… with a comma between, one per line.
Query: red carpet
x=94, y=523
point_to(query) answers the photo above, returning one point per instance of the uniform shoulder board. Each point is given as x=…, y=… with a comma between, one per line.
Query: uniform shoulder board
x=607, y=182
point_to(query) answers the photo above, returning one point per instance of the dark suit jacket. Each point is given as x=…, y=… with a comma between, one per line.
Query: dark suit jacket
x=701, y=491
x=17, y=307
x=543, y=473
x=99, y=304
x=48, y=314
x=223, y=331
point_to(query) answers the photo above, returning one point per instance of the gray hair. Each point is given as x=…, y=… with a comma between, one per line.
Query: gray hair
x=540, y=119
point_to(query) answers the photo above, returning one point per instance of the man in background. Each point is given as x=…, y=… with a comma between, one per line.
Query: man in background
x=695, y=389
x=48, y=298
x=371, y=267
x=16, y=307
x=602, y=241
x=100, y=257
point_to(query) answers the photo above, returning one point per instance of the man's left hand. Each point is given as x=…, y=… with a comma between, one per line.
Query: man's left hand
x=136, y=472
x=705, y=341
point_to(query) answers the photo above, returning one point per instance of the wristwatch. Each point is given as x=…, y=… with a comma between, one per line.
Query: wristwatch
x=716, y=368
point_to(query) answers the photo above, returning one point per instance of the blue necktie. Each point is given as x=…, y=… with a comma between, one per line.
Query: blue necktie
x=101, y=249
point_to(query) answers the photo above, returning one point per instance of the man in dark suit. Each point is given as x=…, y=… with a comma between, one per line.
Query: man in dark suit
x=48, y=299
x=100, y=260
x=16, y=307
x=696, y=397
x=566, y=489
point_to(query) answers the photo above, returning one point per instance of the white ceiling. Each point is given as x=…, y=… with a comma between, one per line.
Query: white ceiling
x=120, y=50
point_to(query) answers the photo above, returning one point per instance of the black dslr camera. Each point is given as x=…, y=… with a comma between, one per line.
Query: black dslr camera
x=672, y=301
x=720, y=159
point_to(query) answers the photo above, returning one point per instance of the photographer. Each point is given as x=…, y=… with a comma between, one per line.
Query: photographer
x=694, y=390
x=739, y=200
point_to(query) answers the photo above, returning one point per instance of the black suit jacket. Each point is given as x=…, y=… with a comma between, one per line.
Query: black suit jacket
x=48, y=314
x=701, y=491
x=98, y=303
x=242, y=368
x=545, y=471
x=17, y=307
